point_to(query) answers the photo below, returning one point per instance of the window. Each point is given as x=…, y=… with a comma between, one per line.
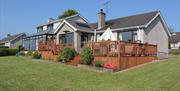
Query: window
x=50, y=27
x=66, y=38
x=135, y=36
x=128, y=36
x=39, y=29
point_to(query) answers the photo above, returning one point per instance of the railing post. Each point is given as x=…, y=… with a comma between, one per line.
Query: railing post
x=119, y=54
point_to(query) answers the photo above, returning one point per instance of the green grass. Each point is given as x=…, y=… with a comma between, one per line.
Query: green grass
x=23, y=74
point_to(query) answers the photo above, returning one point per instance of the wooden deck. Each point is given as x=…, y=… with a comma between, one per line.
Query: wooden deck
x=123, y=54
x=119, y=53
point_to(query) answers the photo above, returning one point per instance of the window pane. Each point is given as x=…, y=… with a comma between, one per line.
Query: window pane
x=127, y=36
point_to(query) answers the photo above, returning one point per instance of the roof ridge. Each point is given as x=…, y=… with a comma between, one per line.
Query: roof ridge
x=130, y=16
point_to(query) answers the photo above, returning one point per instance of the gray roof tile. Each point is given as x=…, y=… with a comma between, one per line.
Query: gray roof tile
x=11, y=37
x=129, y=21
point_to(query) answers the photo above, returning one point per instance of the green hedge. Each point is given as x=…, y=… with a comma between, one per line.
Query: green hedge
x=8, y=51
x=3, y=46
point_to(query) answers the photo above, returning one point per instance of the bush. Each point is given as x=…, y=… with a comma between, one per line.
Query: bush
x=66, y=55
x=20, y=47
x=29, y=53
x=7, y=51
x=21, y=53
x=3, y=46
x=36, y=55
x=4, y=52
x=86, y=56
x=175, y=52
x=98, y=63
x=13, y=51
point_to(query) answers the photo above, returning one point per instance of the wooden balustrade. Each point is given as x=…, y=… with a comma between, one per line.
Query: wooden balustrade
x=50, y=45
x=110, y=48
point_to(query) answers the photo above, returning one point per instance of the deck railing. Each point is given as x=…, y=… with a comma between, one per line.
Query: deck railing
x=115, y=48
x=50, y=45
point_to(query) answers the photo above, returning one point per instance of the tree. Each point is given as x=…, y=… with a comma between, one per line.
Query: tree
x=67, y=13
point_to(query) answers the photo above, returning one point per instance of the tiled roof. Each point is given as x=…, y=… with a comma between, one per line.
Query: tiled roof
x=11, y=37
x=41, y=33
x=129, y=21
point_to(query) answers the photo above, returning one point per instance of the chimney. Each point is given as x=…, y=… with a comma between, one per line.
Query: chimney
x=8, y=35
x=50, y=20
x=101, y=19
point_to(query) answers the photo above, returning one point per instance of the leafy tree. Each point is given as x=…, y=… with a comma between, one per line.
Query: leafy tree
x=67, y=13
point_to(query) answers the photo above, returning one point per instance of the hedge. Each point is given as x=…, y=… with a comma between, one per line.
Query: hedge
x=8, y=51
x=3, y=46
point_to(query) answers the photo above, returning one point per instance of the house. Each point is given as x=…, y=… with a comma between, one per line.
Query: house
x=12, y=40
x=175, y=43
x=145, y=28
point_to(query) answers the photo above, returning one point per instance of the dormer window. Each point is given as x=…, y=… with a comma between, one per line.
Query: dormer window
x=50, y=27
x=39, y=29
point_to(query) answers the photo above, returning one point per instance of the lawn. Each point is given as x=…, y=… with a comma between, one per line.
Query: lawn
x=23, y=74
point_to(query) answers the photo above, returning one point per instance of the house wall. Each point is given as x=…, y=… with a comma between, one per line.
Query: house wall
x=156, y=34
x=7, y=44
x=44, y=28
x=55, y=25
x=77, y=41
x=61, y=31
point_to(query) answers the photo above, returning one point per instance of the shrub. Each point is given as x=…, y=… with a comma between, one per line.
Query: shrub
x=36, y=55
x=29, y=53
x=98, y=63
x=7, y=51
x=86, y=56
x=13, y=51
x=3, y=46
x=66, y=55
x=20, y=47
x=21, y=53
x=175, y=52
x=4, y=52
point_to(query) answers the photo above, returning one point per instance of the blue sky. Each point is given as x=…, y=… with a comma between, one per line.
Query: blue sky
x=23, y=15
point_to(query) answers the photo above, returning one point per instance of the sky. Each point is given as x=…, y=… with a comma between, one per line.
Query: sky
x=18, y=16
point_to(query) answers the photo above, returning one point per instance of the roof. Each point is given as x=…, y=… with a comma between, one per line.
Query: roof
x=80, y=25
x=129, y=21
x=11, y=37
x=60, y=20
x=50, y=32
x=176, y=37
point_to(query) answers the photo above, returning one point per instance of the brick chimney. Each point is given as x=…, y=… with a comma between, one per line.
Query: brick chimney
x=101, y=19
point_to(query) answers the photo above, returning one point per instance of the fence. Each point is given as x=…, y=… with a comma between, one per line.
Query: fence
x=123, y=54
x=50, y=45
